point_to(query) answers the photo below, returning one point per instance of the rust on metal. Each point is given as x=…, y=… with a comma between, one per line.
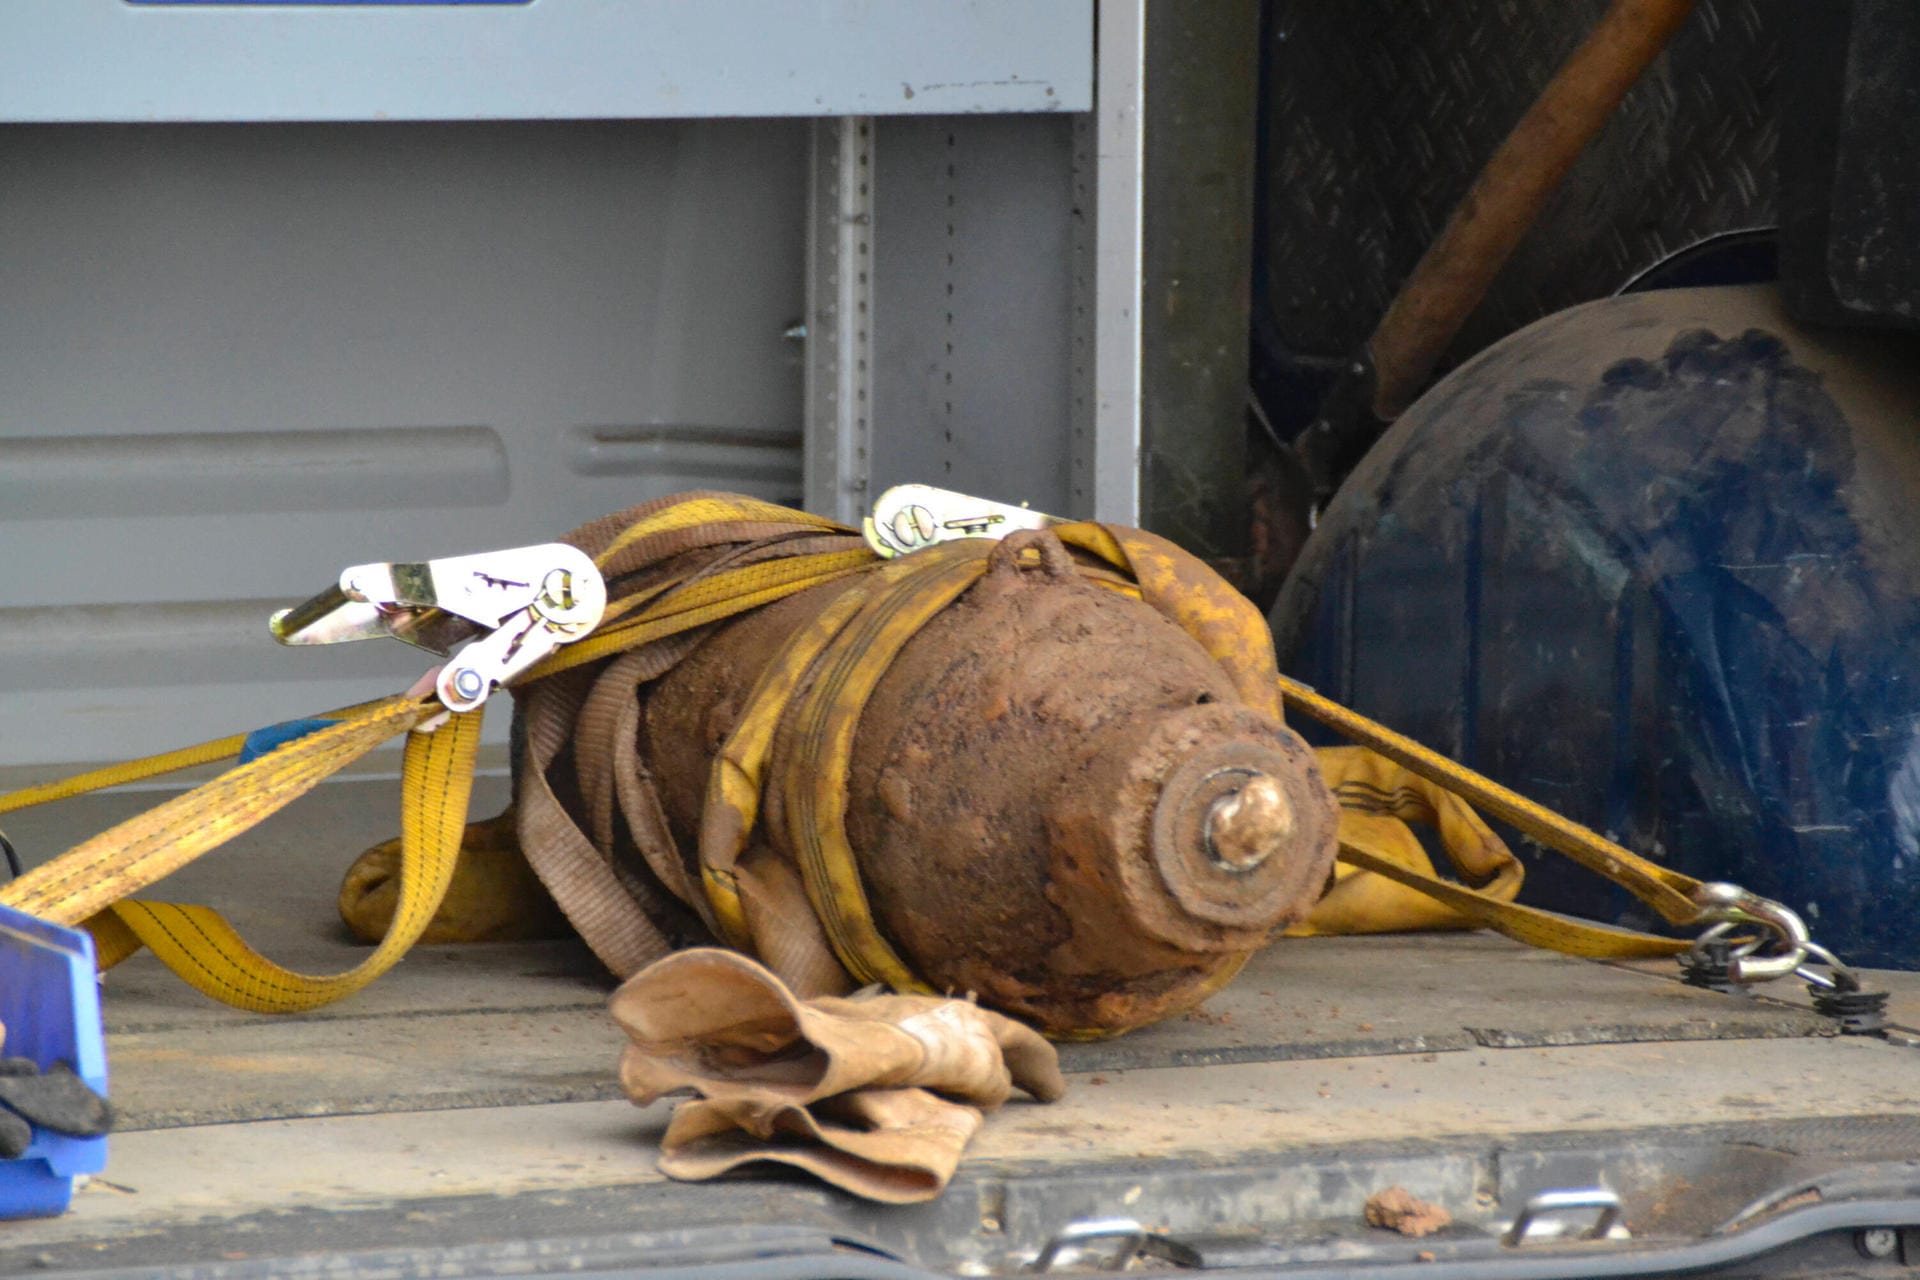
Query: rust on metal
x=1050, y=772
x=1040, y=793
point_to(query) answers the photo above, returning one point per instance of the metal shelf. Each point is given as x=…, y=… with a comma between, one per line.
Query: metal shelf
x=266, y=60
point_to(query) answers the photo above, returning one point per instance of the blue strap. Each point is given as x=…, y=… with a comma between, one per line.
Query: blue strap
x=261, y=741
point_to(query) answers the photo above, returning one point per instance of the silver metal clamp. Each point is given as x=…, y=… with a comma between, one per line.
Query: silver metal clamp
x=514, y=606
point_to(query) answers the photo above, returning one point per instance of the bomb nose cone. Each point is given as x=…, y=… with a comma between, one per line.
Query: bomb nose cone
x=1201, y=829
x=1243, y=829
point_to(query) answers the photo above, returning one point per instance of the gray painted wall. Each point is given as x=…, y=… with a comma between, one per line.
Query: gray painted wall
x=234, y=358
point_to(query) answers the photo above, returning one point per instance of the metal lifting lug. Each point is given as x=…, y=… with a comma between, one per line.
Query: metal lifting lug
x=515, y=607
x=1109, y=1244
x=1550, y=1216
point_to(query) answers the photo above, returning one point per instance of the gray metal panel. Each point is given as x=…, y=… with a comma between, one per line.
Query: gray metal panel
x=1202, y=75
x=973, y=249
x=839, y=326
x=1109, y=169
x=107, y=60
x=234, y=359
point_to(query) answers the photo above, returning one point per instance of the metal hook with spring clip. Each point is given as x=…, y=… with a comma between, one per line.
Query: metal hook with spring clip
x=1726, y=905
x=516, y=606
x=1721, y=962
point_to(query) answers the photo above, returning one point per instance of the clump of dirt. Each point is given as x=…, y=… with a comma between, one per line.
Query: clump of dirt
x=1395, y=1209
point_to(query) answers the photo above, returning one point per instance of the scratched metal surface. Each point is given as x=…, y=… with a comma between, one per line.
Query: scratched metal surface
x=1378, y=113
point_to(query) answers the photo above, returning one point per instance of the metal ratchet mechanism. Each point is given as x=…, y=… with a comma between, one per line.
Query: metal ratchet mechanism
x=911, y=516
x=516, y=606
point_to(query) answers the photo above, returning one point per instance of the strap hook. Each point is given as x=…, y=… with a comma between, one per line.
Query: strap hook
x=516, y=606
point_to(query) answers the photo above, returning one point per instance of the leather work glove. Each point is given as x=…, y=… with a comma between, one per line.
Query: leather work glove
x=891, y=1088
x=897, y=1146
x=58, y=1101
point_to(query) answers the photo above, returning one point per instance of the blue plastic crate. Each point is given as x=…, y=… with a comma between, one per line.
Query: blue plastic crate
x=50, y=1006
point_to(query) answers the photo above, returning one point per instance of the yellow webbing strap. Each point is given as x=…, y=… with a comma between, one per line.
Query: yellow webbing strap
x=129, y=857
x=710, y=510
x=714, y=599
x=90, y=883
x=1237, y=637
x=200, y=946
x=850, y=646
x=1666, y=891
x=912, y=592
x=739, y=768
x=1203, y=604
x=119, y=775
x=1380, y=802
x=1523, y=924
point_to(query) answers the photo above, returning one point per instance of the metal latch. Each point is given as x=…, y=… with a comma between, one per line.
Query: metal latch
x=1114, y=1242
x=515, y=606
x=1544, y=1217
x=909, y=517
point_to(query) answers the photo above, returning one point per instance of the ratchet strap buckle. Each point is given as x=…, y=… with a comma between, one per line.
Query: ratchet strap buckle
x=516, y=606
x=909, y=517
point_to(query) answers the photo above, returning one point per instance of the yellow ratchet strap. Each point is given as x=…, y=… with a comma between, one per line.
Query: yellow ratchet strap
x=724, y=595
x=712, y=509
x=1666, y=891
x=814, y=691
x=90, y=883
x=739, y=769
x=910, y=592
x=1235, y=635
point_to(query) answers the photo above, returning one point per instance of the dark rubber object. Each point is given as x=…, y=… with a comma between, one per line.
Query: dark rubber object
x=58, y=1101
x=1654, y=562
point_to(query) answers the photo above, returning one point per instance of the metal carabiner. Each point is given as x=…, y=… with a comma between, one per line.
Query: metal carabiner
x=1723, y=903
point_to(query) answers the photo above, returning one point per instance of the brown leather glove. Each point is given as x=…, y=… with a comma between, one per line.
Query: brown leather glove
x=888, y=1085
x=897, y=1146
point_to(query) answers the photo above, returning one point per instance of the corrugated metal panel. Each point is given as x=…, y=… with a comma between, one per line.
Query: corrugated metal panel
x=111, y=60
x=1380, y=112
x=234, y=359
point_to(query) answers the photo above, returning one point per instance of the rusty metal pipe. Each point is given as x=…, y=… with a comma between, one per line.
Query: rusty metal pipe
x=1505, y=200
